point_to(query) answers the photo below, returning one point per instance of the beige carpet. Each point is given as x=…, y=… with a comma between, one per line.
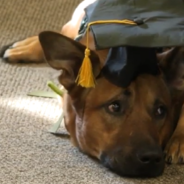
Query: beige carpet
x=28, y=153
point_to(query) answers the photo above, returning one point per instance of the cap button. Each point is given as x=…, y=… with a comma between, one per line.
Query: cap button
x=139, y=21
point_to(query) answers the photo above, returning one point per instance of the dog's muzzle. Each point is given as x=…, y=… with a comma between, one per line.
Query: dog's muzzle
x=142, y=162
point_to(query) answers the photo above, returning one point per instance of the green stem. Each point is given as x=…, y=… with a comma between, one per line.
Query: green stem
x=55, y=88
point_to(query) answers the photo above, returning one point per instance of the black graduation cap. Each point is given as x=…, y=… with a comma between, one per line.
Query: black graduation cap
x=123, y=64
x=132, y=30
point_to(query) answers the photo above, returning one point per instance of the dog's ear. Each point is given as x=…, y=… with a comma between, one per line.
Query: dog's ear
x=63, y=53
x=168, y=57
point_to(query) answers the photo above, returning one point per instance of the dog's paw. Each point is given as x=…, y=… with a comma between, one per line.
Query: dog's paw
x=174, y=150
x=25, y=51
x=4, y=48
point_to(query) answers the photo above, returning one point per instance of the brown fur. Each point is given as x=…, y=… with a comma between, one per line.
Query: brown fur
x=129, y=141
x=172, y=65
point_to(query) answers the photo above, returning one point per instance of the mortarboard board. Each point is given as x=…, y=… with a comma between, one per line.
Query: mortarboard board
x=132, y=29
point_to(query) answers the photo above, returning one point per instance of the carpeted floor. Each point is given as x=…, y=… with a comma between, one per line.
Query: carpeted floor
x=28, y=153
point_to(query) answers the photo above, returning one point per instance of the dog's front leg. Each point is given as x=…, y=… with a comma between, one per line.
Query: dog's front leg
x=29, y=50
x=25, y=51
x=175, y=147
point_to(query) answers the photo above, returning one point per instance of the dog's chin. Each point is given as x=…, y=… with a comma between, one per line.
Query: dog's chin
x=130, y=167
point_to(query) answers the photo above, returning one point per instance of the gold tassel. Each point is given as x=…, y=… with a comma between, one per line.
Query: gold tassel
x=85, y=77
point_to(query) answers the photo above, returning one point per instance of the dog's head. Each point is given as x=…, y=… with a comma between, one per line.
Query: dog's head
x=125, y=128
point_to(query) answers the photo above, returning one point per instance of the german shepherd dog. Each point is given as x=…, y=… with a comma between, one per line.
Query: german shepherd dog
x=132, y=130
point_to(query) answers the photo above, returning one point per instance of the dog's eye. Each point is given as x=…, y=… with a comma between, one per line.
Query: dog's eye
x=160, y=111
x=114, y=107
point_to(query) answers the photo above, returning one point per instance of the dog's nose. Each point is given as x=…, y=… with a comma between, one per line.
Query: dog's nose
x=144, y=161
x=148, y=156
